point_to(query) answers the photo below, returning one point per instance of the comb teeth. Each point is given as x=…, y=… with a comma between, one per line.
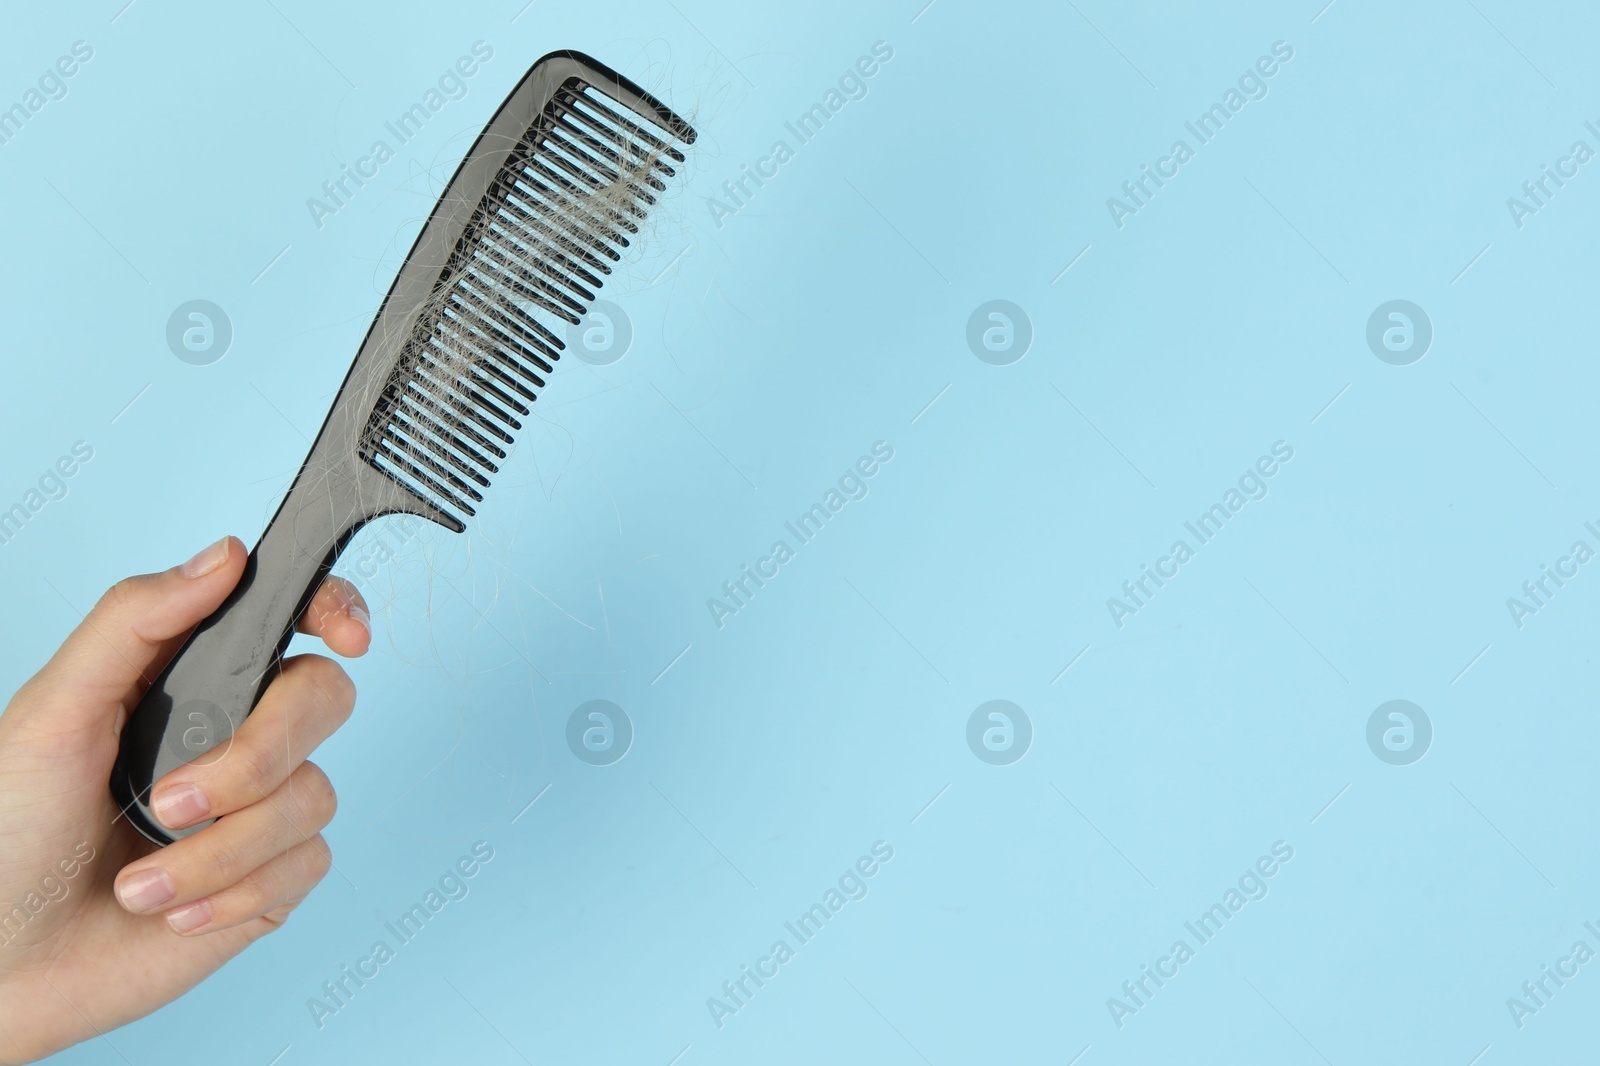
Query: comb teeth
x=537, y=249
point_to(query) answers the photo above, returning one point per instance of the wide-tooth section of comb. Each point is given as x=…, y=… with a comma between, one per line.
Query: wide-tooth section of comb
x=538, y=248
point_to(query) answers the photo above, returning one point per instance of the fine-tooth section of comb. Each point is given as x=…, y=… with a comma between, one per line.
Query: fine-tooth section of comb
x=538, y=247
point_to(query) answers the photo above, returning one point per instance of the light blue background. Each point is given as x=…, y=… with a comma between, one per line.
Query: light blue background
x=821, y=318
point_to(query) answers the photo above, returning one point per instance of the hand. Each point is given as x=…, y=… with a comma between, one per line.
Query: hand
x=98, y=926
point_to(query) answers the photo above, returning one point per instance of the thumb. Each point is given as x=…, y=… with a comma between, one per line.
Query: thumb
x=126, y=639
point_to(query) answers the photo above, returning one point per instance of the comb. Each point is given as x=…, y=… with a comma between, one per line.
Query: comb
x=540, y=211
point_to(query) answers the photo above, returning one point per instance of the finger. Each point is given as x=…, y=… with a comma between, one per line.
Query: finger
x=303, y=706
x=227, y=852
x=128, y=636
x=279, y=885
x=338, y=614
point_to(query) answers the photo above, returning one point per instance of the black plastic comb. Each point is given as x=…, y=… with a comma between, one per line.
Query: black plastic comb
x=522, y=237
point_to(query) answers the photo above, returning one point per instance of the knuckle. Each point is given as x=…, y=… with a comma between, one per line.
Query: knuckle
x=320, y=859
x=330, y=687
x=257, y=768
x=268, y=924
x=118, y=596
x=304, y=869
x=318, y=802
x=223, y=862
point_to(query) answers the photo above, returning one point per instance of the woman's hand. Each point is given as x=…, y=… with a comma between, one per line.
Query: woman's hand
x=98, y=926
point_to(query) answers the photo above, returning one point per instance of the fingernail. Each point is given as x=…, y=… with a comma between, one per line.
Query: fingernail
x=146, y=890
x=360, y=615
x=180, y=805
x=187, y=919
x=208, y=559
